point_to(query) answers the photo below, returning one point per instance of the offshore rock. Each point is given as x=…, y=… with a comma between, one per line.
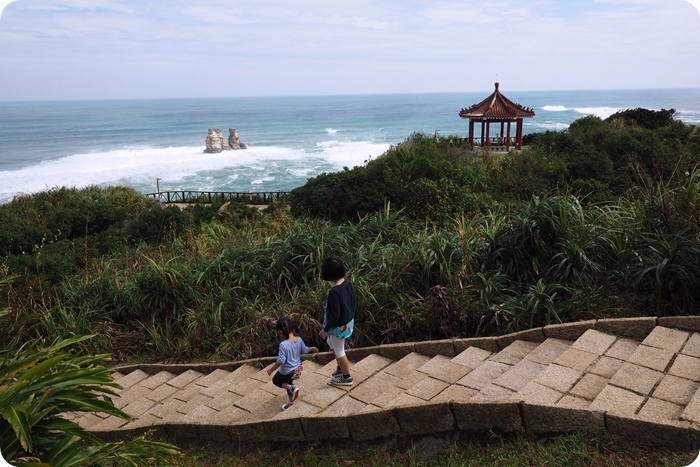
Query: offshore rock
x=215, y=141
x=233, y=141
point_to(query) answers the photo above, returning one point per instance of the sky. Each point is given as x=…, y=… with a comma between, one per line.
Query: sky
x=121, y=49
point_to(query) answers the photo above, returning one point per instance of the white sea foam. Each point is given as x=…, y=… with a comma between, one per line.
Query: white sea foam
x=332, y=131
x=602, y=112
x=549, y=125
x=188, y=168
x=554, y=108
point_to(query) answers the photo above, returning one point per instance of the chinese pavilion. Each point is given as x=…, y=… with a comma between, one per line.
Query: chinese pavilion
x=497, y=108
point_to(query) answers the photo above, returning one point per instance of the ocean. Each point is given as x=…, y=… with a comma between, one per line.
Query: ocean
x=150, y=144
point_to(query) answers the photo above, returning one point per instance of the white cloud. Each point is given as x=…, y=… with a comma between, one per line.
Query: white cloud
x=130, y=48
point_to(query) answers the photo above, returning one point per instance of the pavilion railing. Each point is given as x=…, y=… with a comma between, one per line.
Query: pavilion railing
x=208, y=197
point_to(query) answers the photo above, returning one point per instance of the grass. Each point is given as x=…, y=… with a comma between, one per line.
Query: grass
x=584, y=450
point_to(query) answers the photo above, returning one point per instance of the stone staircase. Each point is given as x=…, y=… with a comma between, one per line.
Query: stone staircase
x=638, y=378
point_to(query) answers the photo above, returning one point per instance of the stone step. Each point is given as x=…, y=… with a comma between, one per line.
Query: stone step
x=597, y=370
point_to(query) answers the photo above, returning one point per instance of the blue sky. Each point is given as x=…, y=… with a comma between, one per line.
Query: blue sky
x=112, y=49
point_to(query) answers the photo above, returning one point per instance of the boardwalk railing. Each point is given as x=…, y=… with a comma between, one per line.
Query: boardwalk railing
x=208, y=197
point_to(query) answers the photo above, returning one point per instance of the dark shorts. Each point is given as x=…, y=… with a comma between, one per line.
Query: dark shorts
x=279, y=378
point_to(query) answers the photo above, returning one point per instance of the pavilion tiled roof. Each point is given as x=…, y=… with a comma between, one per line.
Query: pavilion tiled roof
x=496, y=106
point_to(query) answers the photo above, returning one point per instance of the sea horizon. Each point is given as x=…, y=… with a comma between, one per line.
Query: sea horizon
x=137, y=142
x=370, y=94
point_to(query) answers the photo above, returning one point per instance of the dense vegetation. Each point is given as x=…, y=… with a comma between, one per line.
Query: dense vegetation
x=600, y=220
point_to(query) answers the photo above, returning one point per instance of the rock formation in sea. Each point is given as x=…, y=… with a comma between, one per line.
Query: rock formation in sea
x=215, y=141
x=233, y=141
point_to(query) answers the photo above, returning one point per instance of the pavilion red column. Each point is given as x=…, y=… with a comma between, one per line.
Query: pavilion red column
x=471, y=133
x=488, y=133
x=508, y=137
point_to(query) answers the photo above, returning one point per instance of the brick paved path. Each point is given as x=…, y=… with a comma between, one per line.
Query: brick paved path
x=638, y=378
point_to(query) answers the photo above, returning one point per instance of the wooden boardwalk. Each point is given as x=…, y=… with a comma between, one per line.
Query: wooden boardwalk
x=209, y=197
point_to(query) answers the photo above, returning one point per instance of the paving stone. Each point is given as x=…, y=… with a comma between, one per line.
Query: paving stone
x=492, y=392
x=677, y=390
x=253, y=400
x=514, y=352
x=262, y=375
x=549, y=350
x=537, y=394
x=406, y=365
x=657, y=409
x=617, y=401
x=484, y=374
x=371, y=364
x=199, y=415
x=558, y=377
x=346, y=405
x=188, y=394
x=166, y=409
x=387, y=398
x=183, y=379
x=594, y=342
x=299, y=409
x=440, y=367
x=636, y=378
x=651, y=357
x=215, y=377
x=576, y=359
x=216, y=388
x=89, y=420
x=193, y=403
x=247, y=386
x=134, y=393
x=241, y=374
x=666, y=338
x=686, y=366
x=455, y=393
x=374, y=386
x=109, y=424
x=471, y=357
x=404, y=400
x=324, y=397
x=574, y=402
x=161, y=393
x=427, y=388
x=224, y=399
x=520, y=374
x=605, y=367
x=692, y=346
x=622, y=348
x=144, y=421
x=589, y=386
x=138, y=407
x=132, y=378
x=410, y=379
x=156, y=380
